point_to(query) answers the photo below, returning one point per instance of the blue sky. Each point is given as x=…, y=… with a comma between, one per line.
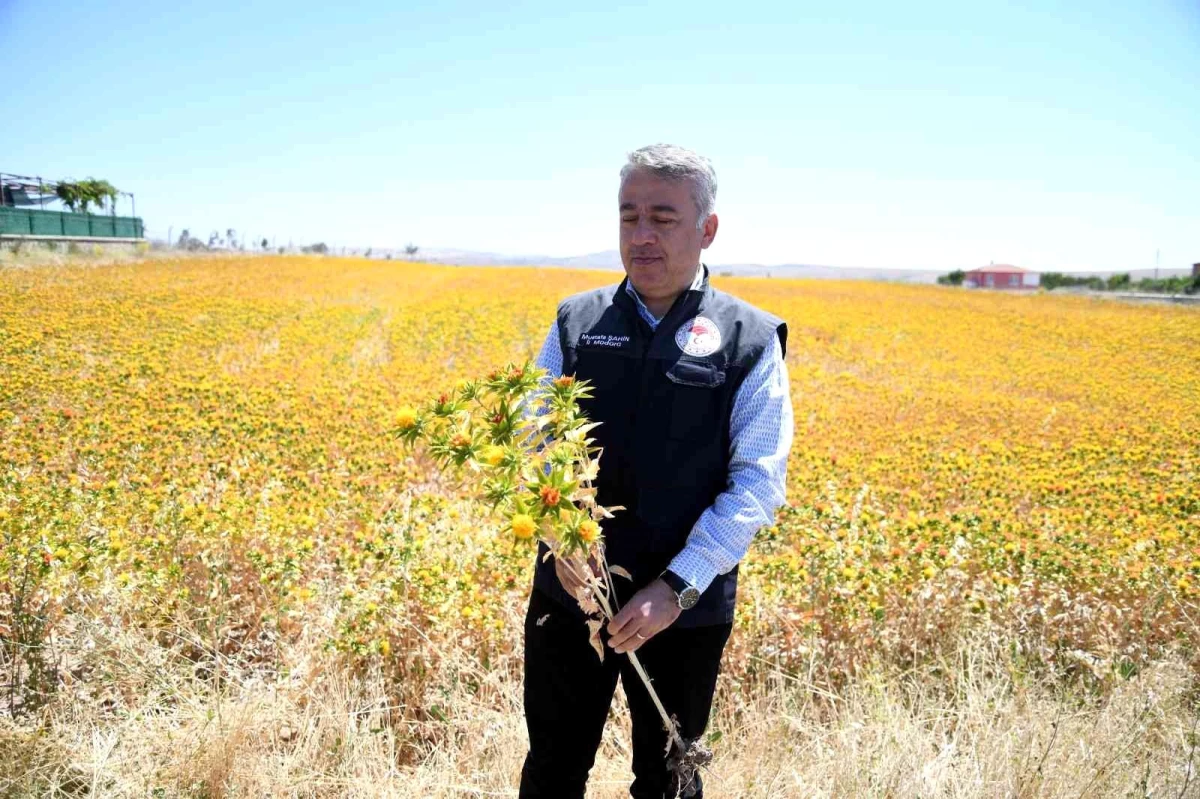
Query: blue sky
x=942, y=135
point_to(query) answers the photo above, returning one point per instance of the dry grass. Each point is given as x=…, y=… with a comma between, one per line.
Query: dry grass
x=170, y=717
x=35, y=254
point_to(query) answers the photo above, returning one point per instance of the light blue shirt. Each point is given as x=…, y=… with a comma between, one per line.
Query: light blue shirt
x=760, y=426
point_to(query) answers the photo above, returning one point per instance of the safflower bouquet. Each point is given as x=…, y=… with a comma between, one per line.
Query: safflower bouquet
x=522, y=442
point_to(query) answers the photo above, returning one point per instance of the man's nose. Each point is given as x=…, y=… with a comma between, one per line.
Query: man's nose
x=644, y=233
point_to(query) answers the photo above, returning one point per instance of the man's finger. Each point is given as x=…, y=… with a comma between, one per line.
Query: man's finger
x=631, y=639
x=623, y=617
x=625, y=639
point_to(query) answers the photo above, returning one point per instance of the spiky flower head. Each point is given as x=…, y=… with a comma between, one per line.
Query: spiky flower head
x=589, y=531
x=550, y=496
x=406, y=417
x=523, y=526
x=492, y=455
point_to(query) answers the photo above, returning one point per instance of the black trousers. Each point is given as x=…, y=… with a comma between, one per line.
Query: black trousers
x=568, y=691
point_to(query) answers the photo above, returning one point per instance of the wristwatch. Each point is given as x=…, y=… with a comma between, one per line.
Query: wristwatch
x=686, y=594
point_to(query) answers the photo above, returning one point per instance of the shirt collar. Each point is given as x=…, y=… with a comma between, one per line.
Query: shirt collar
x=644, y=312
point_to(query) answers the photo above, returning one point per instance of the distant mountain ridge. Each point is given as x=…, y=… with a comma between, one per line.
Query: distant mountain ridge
x=611, y=260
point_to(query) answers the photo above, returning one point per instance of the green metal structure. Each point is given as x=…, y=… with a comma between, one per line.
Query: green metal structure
x=64, y=224
x=24, y=215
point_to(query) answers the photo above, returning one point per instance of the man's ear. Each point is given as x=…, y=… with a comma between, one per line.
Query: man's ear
x=710, y=231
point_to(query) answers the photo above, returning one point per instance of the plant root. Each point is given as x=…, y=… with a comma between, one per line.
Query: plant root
x=685, y=766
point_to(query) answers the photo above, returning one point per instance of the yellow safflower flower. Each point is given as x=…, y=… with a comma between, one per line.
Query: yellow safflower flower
x=492, y=455
x=589, y=531
x=523, y=525
x=406, y=417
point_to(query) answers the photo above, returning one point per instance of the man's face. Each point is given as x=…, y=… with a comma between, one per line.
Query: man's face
x=660, y=242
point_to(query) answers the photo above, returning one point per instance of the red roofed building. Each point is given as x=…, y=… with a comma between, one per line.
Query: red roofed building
x=1001, y=276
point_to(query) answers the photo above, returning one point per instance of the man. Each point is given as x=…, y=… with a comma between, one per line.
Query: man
x=691, y=391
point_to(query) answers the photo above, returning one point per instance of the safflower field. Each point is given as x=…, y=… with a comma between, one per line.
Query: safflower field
x=221, y=573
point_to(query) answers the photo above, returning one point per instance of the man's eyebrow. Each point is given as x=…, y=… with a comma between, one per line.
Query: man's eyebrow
x=658, y=209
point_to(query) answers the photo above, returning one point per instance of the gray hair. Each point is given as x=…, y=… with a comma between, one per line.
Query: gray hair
x=679, y=163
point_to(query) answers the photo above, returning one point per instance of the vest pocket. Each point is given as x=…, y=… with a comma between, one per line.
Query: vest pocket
x=695, y=373
x=694, y=400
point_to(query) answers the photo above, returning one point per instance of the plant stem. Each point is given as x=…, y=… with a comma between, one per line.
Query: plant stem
x=668, y=723
x=609, y=610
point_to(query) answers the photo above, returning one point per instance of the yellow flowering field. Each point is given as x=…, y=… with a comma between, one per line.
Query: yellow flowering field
x=209, y=444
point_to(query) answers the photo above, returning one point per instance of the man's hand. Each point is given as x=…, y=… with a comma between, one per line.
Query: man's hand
x=649, y=612
x=571, y=573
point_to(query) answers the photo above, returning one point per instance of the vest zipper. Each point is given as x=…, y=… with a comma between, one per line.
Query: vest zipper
x=649, y=335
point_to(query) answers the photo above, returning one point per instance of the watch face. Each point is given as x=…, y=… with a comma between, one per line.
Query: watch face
x=689, y=597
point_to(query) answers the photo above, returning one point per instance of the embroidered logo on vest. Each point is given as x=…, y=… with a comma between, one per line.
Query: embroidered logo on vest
x=607, y=340
x=700, y=336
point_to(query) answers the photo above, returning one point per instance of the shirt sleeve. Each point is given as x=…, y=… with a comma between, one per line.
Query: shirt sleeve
x=761, y=427
x=551, y=358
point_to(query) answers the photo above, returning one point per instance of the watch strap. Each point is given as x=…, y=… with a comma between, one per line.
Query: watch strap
x=677, y=583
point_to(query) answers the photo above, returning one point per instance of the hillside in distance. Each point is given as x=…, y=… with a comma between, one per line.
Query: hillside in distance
x=611, y=259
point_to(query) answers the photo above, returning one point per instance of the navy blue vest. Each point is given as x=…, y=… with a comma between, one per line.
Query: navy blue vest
x=663, y=398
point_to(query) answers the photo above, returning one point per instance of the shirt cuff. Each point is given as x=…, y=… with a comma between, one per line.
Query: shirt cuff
x=694, y=567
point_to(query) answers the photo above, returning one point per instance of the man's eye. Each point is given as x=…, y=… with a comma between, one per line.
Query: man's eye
x=662, y=221
x=629, y=219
